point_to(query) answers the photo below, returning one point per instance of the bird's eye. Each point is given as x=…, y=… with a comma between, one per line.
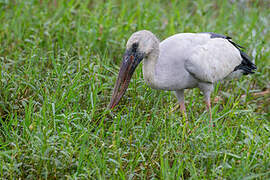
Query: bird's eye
x=135, y=46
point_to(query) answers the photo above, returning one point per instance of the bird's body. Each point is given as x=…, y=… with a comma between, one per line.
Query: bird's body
x=183, y=61
x=187, y=59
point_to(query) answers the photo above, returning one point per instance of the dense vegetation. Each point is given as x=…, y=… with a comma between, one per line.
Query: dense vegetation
x=59, y=61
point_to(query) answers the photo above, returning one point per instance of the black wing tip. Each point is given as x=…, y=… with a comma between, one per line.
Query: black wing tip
x=246, y=69
x=246, y=65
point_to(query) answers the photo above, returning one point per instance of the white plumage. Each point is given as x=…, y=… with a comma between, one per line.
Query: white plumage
x=182, y=61
x=213, y=61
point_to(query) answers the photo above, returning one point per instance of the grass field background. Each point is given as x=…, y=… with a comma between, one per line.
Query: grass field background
x=59, y=61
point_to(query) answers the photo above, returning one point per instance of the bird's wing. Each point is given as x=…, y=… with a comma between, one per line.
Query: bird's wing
x=213, y=60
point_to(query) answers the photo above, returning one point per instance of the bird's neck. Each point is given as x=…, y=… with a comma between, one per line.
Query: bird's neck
x=149, y=67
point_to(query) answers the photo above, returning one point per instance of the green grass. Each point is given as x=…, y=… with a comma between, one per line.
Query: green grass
x=59, y=62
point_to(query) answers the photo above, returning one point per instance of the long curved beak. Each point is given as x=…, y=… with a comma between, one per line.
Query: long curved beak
x=129, y=64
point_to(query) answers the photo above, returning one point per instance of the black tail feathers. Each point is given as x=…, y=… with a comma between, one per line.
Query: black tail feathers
x=246, y=65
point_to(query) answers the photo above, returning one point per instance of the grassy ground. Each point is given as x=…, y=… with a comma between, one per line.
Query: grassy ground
x=59, y=61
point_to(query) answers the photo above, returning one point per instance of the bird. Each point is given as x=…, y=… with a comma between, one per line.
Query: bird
x=182, y=61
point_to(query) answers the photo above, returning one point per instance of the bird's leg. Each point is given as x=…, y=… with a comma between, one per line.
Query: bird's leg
x=207, y=88
x=182, y=107
x=180, y=96
x=208, y=106
x=181, y=100
x=183, y=110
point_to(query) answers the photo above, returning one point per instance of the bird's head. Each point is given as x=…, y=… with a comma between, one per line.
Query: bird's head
x=145, y=40
x=139, y=46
